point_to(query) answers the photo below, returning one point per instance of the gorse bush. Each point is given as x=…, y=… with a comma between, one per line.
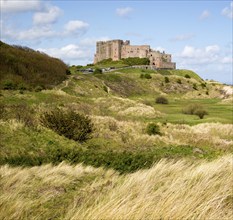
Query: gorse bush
x=153, y=129
x=161, y=100
x=68, y=123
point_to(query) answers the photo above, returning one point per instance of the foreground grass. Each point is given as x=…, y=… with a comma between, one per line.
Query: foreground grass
x=168, y=190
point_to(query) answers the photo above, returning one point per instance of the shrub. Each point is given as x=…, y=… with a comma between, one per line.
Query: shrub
x=179, y=81
x=201, y=113
x=203, y=85
x=98, y=71
x=166, y=79
x=195, y=109
x=195, y=86
x=9, y=85
x=153, y=129
x=187, y=76
x=147, y=76
x=68, y=72
x=161, y=100
x=190, y=109
x=68, y=123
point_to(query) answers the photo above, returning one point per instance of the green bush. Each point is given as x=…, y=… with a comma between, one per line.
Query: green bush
x=9, y=85
x=153, y=129
x=98, y=71
x=195, y=86
x=187, y=76
x=201, y=113
x=161, y=100
x=68, y=123
x=68, y=72
x=147, y=76
x=195, y=109
x=166, y=79
x=179, y=81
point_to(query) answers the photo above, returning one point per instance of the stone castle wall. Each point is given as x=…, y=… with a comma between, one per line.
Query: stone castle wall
x=118, y=49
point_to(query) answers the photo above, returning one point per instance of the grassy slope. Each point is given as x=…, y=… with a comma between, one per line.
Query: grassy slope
x=120, y=104
x=168, y=190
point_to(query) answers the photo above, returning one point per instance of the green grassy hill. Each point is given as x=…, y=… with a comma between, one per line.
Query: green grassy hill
x=24, y=68
x=141, y=149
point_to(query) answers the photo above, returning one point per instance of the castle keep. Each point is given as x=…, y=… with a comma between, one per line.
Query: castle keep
x=119, y=49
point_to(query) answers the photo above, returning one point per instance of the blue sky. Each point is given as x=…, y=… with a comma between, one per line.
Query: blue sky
x=198, y=34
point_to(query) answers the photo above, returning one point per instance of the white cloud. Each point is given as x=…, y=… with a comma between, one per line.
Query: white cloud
x=208, y=54
x=210, y=61
x=33, y=33
x=183, y=37
x=204, y=15
x=76, y=27
x=14, y=6
x=228, y=11
x=38, y=32
x=227, y=60
x=70, y=53
x=50, y=16
x=124, y=12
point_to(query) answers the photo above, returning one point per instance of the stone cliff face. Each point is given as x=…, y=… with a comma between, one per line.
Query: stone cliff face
x=118, y=49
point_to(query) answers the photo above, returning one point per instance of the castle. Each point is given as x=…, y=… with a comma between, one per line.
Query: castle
x=119, y=49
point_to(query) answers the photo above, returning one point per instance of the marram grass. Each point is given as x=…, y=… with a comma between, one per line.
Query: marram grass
x=168, y=190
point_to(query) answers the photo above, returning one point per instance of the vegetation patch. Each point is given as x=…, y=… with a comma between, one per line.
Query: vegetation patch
x=68, y=123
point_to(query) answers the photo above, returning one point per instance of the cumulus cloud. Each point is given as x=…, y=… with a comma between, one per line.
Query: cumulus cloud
x=204, y=15
x=34, y=33
x=228, y=11
x=71, y=53
x=183, y=37
x=49, y=16
x=209, y=61
x=15, y=6
x=124, y=12
x=38, y=32
x=76, y=27
x=204, y=55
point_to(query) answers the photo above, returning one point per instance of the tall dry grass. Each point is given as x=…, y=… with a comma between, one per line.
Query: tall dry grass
x=169, y=190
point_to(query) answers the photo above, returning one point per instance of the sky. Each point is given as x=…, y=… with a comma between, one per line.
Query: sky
x=197, y=33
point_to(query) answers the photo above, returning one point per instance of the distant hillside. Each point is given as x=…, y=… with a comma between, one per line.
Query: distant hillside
x=24, y=68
